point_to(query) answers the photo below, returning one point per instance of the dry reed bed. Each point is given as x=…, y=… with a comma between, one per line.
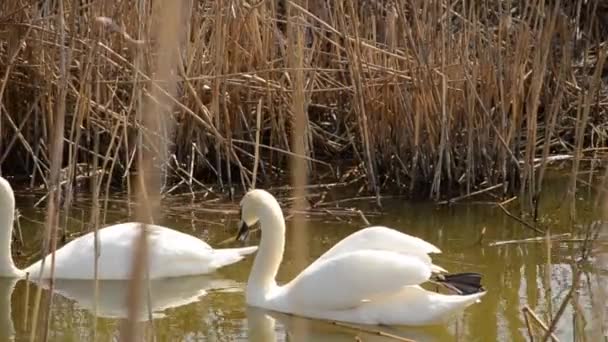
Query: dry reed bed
x=433, y=97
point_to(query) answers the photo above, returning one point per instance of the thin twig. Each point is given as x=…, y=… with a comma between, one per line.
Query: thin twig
x=524, y=223
x=372, y=331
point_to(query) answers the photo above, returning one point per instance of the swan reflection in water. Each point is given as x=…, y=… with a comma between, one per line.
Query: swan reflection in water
x=164, y=294
x=7, y=329
x=262, y=327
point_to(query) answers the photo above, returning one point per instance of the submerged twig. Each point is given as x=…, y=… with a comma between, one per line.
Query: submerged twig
x=557, y=238
x=524, y=223
x=528, y=312
x=372, y=331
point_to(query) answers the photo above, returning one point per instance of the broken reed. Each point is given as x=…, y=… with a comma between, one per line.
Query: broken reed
x=430, y=97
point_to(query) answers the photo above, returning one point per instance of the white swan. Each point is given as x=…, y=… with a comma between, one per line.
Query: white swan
x=171, y=253
x=370, y=277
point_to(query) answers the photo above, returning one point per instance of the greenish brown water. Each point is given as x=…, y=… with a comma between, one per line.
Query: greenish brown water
x=212, y=308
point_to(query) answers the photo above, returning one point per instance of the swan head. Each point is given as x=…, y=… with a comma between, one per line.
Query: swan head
x=255, y=204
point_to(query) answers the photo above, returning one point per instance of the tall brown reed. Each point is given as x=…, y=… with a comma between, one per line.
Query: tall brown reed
x=300, y=130
x=430, y=97
x=56, y=159
x=154, y=109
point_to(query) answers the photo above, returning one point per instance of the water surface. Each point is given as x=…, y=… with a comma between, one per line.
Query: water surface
x=212, y=308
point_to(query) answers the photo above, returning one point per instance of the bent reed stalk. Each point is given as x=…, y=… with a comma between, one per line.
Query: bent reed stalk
x=439, y=98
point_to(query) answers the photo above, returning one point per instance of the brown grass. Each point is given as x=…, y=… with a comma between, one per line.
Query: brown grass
x=432, y=98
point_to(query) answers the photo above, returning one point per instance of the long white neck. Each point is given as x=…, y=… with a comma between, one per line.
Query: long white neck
x=7, y=216
x=269, y=255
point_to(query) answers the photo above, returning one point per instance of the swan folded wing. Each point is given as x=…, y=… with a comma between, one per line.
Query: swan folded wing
x=76, y=259
x=348, y=279
x=384, y=239
x=173, y=253
x=380, y=237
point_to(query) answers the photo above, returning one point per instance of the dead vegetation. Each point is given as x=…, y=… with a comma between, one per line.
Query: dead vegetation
x=431, y=98
x=439, y=98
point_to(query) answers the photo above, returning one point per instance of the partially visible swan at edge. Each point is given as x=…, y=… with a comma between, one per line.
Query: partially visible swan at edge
x=171, y=253
x=370, y=277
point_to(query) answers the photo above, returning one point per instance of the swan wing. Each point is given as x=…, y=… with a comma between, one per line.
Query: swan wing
x=382, y=238
x=349, y=279
x=386, y=239
x=75, y=260
x=174, y=254
x=170, y=253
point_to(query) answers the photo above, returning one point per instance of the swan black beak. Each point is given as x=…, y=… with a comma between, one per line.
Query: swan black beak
x=243, y=232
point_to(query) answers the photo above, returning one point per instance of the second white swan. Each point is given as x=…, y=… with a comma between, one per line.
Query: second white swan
x=171, y=253
x=370, y=277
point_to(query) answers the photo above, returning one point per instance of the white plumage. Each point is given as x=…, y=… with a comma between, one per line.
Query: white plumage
x=370, y=277
x=170, y=253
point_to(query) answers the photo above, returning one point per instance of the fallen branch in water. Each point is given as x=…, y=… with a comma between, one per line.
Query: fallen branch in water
x=372, y=331
x=358, y=198
x=518, y=219
x=533, y=239
x=529, y=313
x=474, y=193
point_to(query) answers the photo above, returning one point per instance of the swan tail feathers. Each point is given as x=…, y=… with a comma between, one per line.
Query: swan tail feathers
x=227, y=256
x=438, y=269
x=244, y=250
x=462, y=283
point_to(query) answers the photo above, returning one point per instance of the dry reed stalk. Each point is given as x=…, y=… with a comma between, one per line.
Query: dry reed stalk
x=547, y=28
x=156, y=118
x=440, y=96
x=256, y=159
x=443, y=154
x=588, y=99
x=299, y=168
x=219, y=49
x=556, y=106
x=52, y=214
x=530, y=313
x=354, y=54
x=94, y=221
